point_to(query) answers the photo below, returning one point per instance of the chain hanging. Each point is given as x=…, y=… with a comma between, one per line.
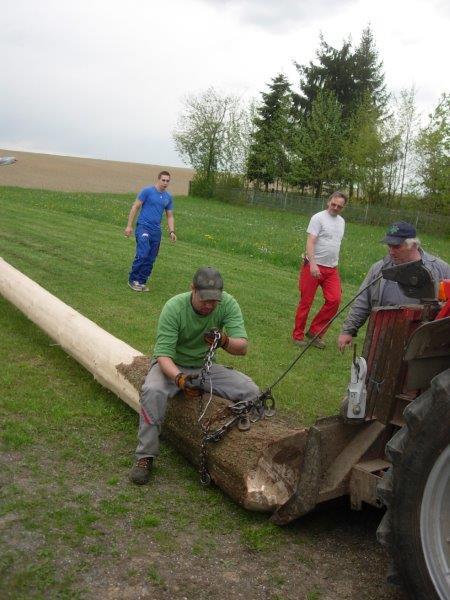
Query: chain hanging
x=243, y=413
x=205, y=477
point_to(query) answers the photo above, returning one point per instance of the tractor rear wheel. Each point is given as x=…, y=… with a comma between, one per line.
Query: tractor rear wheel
x=416, y=491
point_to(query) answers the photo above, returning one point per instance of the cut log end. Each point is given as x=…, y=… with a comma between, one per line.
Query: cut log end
x=136, y=371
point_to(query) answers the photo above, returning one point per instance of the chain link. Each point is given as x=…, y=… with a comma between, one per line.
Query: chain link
x=243, y=413
x=205, y=477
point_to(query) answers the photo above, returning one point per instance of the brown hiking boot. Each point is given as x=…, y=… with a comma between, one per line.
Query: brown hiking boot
x=140, y=473
x=318, y=342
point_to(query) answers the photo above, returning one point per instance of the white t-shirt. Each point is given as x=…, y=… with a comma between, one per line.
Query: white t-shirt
x=329, y=231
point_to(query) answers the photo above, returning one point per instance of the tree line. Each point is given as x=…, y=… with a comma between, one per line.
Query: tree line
x=339, y=127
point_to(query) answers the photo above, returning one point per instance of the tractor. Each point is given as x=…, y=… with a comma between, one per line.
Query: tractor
x=398, y=454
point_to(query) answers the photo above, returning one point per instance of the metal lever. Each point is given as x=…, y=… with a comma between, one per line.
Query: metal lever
x=356, y=391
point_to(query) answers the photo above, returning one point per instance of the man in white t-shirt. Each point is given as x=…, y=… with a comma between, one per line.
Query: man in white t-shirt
x=325, y=232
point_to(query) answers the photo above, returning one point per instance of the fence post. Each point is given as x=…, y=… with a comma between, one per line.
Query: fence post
x=366, y=213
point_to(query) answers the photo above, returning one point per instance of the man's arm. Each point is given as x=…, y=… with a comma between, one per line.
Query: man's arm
x=237, y=346
x=233, y=336
x=171, y=225
x=168, y=367
x=359, y=311
x=135, y=207
x=310, y=246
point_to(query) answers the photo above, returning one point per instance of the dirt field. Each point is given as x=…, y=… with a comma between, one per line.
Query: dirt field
x=72, y=174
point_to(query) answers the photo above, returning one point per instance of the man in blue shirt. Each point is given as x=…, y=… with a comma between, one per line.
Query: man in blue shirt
x=151, y=202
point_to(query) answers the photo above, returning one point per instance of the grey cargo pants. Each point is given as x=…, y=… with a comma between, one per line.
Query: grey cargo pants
x=157, y=389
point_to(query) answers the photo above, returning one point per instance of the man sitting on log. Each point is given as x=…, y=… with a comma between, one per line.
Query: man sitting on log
x=186, y=329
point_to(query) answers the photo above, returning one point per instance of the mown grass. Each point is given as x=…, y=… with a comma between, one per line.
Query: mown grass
x=72, y=244
x=67, y=444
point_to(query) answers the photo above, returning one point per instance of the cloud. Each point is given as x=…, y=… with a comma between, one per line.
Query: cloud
x=282, y=15
x=106, y=79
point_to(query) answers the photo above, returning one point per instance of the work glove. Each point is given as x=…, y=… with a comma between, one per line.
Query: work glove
x=186, y=384
x=222, y=342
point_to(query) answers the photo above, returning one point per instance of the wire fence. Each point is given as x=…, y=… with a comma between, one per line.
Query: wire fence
x=357, y=213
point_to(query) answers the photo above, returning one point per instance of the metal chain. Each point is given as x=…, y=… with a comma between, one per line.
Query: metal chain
x=205, y=477
x=243, y=413
x=207, y=364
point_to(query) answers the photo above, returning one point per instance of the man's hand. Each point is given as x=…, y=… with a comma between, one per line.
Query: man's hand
x=314, y=270
x=222, y=338
x=128, y=231
x=172, y=236
x=185, y=383
x=344, y=340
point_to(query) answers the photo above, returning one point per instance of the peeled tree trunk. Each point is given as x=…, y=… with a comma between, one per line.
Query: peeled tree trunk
x=93, y=347
x=258, y=468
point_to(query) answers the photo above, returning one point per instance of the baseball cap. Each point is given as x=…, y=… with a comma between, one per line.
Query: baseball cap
x=209, y=283
x=398, y=232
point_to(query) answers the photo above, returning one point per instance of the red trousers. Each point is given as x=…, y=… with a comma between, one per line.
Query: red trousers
x=330, y=283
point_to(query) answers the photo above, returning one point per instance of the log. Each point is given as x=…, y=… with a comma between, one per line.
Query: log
x=258, y=468
x=93, y=347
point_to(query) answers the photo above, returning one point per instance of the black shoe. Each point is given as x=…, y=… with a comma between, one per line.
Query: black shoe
x=140, y=473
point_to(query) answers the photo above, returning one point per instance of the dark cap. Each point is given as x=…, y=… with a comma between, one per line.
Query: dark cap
x=397, y=233
x=209, y=283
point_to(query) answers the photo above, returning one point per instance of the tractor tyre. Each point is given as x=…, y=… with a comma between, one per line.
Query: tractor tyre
x=416, y=491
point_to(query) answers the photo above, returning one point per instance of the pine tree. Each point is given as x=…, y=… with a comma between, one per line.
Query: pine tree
x=368, y=76
x=350, y=75
x=268, y=159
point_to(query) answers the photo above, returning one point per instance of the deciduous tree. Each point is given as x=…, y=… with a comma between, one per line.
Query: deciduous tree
x=208, y=135
x=407, y=126
x=433, y=146
x=363, y=156
x=318, y=143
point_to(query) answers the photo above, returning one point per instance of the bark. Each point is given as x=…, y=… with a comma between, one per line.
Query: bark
x=258, y=468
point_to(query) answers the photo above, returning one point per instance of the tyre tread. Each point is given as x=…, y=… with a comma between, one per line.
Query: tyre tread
x=423, y=417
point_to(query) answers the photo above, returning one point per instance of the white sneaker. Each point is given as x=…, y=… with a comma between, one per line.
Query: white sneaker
x=138, y=287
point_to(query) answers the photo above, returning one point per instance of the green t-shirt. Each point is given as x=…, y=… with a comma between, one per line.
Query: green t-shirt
x=180, y=329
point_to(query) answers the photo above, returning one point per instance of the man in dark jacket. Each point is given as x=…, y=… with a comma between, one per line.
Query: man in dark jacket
x=403, y=246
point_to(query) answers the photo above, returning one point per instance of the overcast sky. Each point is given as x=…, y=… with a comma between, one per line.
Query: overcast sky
x=106, y=78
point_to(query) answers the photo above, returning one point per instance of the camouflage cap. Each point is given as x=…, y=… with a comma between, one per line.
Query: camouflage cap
x=209, y=283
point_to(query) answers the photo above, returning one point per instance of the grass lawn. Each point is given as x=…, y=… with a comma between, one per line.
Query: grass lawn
x=72, y=245
x=66, y=444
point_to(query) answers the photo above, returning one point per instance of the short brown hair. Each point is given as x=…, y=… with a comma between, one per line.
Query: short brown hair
x=338, y=195
x=163, y=173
